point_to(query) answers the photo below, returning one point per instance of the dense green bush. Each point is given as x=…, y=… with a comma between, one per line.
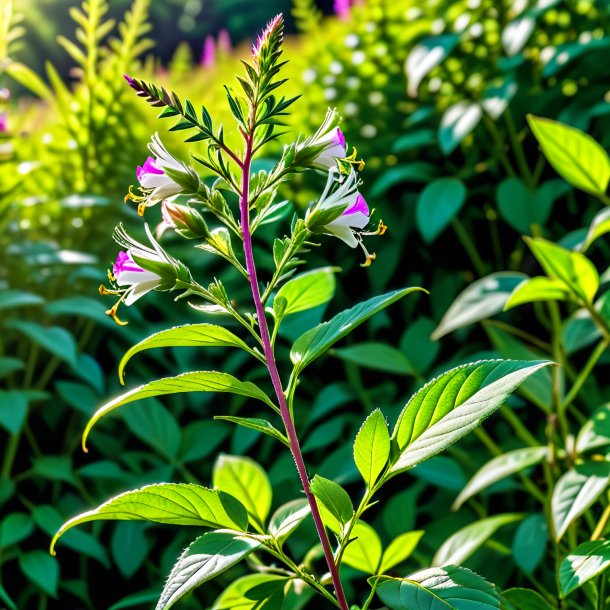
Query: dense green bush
x=435, y=97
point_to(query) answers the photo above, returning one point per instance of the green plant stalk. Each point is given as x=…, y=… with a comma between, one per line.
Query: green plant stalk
x=518, y=149
x=601, y=524
x=513, y=330
x=558, y=403
x=601, y=595
x=469, y=246
x=274, y=373
x=499, y=148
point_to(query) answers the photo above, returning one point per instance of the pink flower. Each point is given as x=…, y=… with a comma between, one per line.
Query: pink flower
x=208, y=57
x=138, y=281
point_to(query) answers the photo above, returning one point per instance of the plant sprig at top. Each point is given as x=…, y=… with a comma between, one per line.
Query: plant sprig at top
x=439, y=414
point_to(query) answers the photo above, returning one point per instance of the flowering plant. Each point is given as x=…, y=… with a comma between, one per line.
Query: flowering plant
x=238, y=201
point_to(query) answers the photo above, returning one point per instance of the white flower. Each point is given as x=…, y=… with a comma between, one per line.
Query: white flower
x=325, y=147
x=129, y=274
x=152, y=175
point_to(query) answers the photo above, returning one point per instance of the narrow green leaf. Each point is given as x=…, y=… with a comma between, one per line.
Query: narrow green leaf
x=14, y=528
x=437, y=206
x=287, y=518
x=498, y=468
x=596, y=431
x=206, y=558
x=575, y=155
x=189, y=335
x=199, y=381
x=260, y=425
x=481, y=300
x=316, y=341
x=372, y=447
x=461, y=545
x=334, y=500
x=11, y=299
x=364, y=551
x=400, y=549
x=600, y=225
x=585, y=562
x=530, y=542
x=448, y=588
x=575, y=492
x=235, y=594
x=452, y=405
x=306, y=291
x=376, y=356
x=538, y=289
x=171, y=503
x=55, y=339
x=245, y=479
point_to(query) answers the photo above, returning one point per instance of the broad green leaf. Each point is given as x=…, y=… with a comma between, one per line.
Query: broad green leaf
x=189, y=335
x=129, y=547
x=260, y=425
x=206, y=558
x=372, y=447
x=376, y=356
x=10, y=604
x=416, y=171
x=243, y=478
x=600, y=225
x=171, y=503
x=235, y=594
x=498, y=468
x=54, y=339
x=418, y=346
x=200, y=381
x=334, y=501
x=461, y=545
x=585, y=562
x=574, y=269
x=399, y=549
x=316, y=341
x=447, y=588
x=575, y=492
x=9, y=365
x=11, y=299
x=437, y=206
x=364, y=551
x=13, y=410
x=538, y=289
x=523, y=208
x=156, y=426
x=579, y=331
x=456, y=123
x=425, y=56
x=41, y=569
x=452, y=405
x=80, y=305
x=287, y=518
x=14, y=528
x=54, y=468
x=530, y=541
x=136, y=600
x=575, y=155
x=525, y=599
x=481, y=300
x=596, y=431
x=306, y=291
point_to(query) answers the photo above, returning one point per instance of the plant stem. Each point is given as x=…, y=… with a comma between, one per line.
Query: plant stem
x=518, y=149
x=601, y=525
x=469, y=246
x=275, y=377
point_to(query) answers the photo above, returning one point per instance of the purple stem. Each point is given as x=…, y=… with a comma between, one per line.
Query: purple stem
x=295, y=447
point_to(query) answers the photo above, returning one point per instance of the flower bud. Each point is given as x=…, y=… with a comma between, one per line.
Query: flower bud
x=185, y=220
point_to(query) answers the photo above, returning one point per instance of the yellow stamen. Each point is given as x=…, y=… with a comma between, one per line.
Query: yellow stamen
x=369, y=260
x=359, y=163
x=112, y=313
x=110, y=276
x=141, y=208
x=381, y=228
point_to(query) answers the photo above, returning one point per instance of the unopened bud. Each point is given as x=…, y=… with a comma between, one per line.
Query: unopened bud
x=185, y=220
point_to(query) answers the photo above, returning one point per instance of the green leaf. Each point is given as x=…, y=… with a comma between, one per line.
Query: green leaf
x=579, y=330
x=54, y=339
x=400, y=549
x=12, y=299
x=461, y=545
x=452, y=405
x=498, y=468
x=287, y=518
x=170, y=503
x=156, y=426
x=316, y=341
x=481, y=300
x=306, y=291
x=260, y=425
x=136, y=600
x=448, y=588
x=14, y=528
x=130, y=547
x=376, y=356
x=364, y=551
x=538, y=289
x=80, y=305
x=189, y=335
x=6, y=599
x=29, y=79
x=575, y=492
x=529, y=543
x=416, y=171
x=596, y=431
x=574, y=269
x=456, y=123
x=372, y=447
x=10, y=365
x=206, y=558
x=425, y=56
x=575, y=155
x=13, y=410
x=54, y=468
x=437, y=206
x=235, y=594
x=41, y=569
x=525, y=599
x=585, y=562
x=600, y=225
x=243, y=478
x=199, y=381
x=334, y=501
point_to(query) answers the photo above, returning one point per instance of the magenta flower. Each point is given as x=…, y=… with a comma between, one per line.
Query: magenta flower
x=3, y=122
x=224, y=41
x=208, y=56
x=264, y=37
x=325, y=147
x=138, y=282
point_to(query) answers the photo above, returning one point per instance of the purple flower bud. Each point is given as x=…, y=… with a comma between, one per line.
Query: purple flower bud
x=208, y=57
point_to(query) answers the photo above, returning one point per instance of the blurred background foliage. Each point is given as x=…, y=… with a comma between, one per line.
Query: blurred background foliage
x=433, y=95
